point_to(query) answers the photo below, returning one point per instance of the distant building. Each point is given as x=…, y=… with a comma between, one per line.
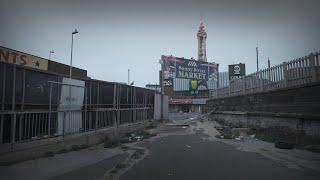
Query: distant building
x=223, y=79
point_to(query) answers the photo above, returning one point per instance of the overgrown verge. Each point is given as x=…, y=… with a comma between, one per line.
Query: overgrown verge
x=283, y=137
x=291, y=138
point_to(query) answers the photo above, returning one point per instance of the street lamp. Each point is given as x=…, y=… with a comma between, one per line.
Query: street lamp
x=51, y=52
x=74, y=32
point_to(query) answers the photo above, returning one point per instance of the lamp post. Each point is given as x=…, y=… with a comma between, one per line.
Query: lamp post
x=51, y=52
x=73, y=33
x=162, y=89
x=128, y=76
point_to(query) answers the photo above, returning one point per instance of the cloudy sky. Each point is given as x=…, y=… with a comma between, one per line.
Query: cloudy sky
x=117, y=35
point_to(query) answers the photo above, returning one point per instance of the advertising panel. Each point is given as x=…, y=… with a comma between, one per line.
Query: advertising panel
x=190, y=70
x=237, y=71
x=22, y=59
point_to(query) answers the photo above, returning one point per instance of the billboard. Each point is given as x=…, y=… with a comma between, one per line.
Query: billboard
x=237, y=71
x=22, y=59
x=189, y=70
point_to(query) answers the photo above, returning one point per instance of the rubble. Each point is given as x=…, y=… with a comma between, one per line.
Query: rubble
x=283, y=145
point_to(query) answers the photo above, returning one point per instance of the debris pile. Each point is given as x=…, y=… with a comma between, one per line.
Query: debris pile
x=136, y=136
x=127, y=138
x=238, y=134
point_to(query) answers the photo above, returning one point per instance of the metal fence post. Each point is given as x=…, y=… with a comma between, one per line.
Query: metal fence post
x=50, y=109
x=285, y=74
x=13, y=129
x=2, y=102
x=229, y=88
x=114, y=117
x=21, y=117
x=261, y=81
x=85, y=108
x=63, y=123
x=134, y=105
x=1, y=128
x=313, y=68
x=118, y=105
x=14, y=119
x=244, y=85
x=97, y=118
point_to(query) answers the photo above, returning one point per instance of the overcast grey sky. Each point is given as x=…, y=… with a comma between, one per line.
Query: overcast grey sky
x=115, y=35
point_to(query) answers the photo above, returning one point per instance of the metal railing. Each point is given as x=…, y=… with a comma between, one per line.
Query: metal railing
x=26, y=126
x=301, y=71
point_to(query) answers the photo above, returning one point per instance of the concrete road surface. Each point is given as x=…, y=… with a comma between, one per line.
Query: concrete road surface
x=195, y=153
x=191, y=157
x=184, y=148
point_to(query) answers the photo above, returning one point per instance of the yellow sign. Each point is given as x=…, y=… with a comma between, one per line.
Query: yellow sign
x=22, y=59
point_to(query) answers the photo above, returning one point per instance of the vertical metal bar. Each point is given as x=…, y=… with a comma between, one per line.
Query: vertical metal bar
x=313, y=67
x=118, y=104
x=32, y=125
x=58, y=89
x=134, y=102
x=70, y=70
x=114, y=118
x=144, y=106
x=98, y=94
x=45, y=125
x=127, y=89
x=14, y=89
x=97, y=118
x=25, y=126
x=63, y=123
x=69, y=122
x=285, y=74
x=72, y=121
x=13, y=121
x=304, y=70
x=1, y=128
x=20, y=126
x=299, y=71
x=13, y=129
x=22, y=103
x=44, y=115
x=50, y=109
x=29, y=126
x=41, y=124
x=3, y=101
x=90, y=106
x=85, y=107
x=37, y=125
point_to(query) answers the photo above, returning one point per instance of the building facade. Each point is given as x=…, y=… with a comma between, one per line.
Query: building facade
x=223, y=79
x=39, y=100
